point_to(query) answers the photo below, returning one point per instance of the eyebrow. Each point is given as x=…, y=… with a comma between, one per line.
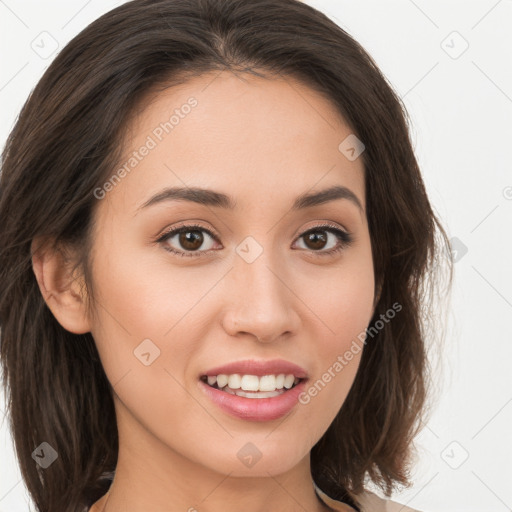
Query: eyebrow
x=207, y=197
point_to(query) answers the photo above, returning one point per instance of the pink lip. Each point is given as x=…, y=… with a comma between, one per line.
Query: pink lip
x=255, y=409
x=259, y=368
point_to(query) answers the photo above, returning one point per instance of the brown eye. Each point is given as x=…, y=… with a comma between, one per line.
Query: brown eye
x=317, y=240
x=188, y=240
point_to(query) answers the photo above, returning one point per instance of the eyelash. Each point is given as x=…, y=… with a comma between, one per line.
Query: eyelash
x=344, y=237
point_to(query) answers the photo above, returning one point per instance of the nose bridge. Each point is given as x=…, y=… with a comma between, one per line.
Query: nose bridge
x=260, y=303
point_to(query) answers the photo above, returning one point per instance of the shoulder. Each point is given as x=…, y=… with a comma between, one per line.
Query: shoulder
x=366, y=501
x=370, y=502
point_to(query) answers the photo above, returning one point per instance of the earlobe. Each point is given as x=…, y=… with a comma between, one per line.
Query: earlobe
x=61, y=290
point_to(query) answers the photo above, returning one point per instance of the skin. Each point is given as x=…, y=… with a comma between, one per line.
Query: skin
x=264, y=142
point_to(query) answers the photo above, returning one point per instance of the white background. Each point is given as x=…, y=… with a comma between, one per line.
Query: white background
x=460, y=103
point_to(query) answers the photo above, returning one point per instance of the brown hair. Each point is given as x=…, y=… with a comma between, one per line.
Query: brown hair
x=67, y=141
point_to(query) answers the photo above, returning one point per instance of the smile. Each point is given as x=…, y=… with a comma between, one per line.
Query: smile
x=253, y=404
x=252, y=386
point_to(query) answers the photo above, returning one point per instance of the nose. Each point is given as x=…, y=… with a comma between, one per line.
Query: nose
x=259, y=301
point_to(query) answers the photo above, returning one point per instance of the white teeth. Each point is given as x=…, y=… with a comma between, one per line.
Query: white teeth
x=262, y=394
x=235, y=381
x=250, y=383
x=253, y=383
x=267, y=383
x=288, y=381
x=222, y=380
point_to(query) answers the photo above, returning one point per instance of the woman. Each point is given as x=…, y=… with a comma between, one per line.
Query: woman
x=216, y=247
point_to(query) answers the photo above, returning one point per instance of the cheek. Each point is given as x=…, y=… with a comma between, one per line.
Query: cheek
x=140, y=338
x=344, y=307
x=141, y=295
x=147, y=312
x=341, y=299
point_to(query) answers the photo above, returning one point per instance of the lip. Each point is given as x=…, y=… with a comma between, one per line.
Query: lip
x=255, y=409
x=258, y=368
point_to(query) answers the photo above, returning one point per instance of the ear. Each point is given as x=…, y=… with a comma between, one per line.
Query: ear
x=62, y=291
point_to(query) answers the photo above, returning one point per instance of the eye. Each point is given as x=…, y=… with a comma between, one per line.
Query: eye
x=316, y=239
x=188, y=238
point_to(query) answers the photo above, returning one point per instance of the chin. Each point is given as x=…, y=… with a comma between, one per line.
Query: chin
x=257, y=458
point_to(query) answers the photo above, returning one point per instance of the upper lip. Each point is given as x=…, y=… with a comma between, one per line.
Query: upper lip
x=259, y=368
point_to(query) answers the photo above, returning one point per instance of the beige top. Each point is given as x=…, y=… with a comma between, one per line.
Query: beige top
x=367, y=501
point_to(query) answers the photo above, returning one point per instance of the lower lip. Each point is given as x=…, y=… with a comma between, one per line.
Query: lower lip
x=255, y=409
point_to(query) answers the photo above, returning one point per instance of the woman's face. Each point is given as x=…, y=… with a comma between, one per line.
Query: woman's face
x=246, y=283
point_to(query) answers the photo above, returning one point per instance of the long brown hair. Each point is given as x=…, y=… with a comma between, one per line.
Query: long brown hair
x=66, y=143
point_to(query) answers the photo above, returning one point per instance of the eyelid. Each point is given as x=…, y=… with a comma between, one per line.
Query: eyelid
x=322, y=224
x=189, y=225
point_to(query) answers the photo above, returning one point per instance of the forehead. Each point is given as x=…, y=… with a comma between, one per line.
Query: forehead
x=252, y=136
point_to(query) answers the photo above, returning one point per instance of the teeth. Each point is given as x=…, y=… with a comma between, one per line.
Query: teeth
x=249, y=394
x=235, y=381
x=267, y=383
x=253, y=383
x=250, y=383
x=222, y=380
x=288, y=381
